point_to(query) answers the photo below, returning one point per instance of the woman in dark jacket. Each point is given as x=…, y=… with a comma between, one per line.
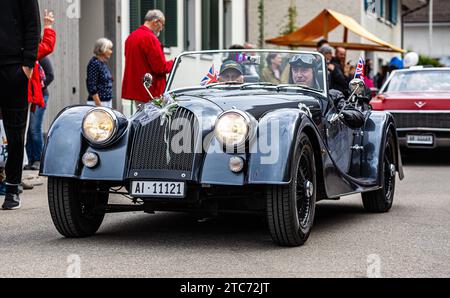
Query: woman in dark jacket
x=99, y=80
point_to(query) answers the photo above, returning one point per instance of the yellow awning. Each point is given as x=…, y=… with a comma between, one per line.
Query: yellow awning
x=327, y=21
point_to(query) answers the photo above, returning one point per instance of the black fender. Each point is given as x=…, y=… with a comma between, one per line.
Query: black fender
x=65, y=146
x=270, y=159
x=375, y=130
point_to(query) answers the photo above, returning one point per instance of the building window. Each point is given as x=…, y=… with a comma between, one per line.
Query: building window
x=210, y=24
x=383, y=9
x=139, y=8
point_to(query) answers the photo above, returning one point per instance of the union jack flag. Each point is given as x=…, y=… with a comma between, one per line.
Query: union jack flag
x=359, y=73
x=210, y=78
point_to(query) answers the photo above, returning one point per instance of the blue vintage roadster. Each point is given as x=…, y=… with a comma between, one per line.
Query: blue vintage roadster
x=255, y=131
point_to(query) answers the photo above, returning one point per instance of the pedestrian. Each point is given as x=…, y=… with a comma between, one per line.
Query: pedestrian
x=35, y=135
x=19, y=40
x=99, y=79
x=340, y=56
x=272, y=73
x=337, y=79
x=38, y=96
x=321, y=43
x=144, y=54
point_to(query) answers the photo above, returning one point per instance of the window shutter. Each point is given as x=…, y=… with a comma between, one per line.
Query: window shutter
x=134, y=14
x=366, y=5
x=210, y=24
x=394, y=11
x=146, y=5
x=171, y=30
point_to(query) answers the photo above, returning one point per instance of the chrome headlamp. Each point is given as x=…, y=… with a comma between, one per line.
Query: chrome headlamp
x=100, y=126
x=233, y=128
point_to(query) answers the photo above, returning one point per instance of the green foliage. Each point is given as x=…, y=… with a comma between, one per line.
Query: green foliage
x=261, y=24
x=291, y=25
x=426, y=60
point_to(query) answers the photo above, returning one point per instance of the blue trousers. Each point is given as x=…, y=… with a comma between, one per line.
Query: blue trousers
x=35, y=136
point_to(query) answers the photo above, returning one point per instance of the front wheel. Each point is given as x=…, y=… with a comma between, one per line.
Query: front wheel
x=76, y=209
x=291, y=208
x=381, y=200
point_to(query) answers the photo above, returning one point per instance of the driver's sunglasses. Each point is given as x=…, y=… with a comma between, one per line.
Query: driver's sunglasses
x=306, y=59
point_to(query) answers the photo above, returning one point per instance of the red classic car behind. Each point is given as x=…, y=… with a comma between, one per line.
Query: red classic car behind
x=419, y=100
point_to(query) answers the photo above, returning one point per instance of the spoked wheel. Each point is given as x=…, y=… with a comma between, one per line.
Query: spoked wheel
x=291, y=208
x=76, y=211
x=381, y=200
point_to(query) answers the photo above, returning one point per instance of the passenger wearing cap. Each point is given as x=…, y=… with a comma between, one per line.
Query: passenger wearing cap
x=303, y=70
x=231, y=71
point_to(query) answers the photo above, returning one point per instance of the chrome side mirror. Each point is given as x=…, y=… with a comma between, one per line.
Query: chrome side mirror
x=357, y=86
x=147, y=80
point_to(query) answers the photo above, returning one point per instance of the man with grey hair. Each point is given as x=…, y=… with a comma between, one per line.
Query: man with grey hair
x=336, y=77
x=144, y=54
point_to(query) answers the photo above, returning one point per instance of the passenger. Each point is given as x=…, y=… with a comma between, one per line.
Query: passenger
x=272, y=73
x=231, y=71
x=304, y=70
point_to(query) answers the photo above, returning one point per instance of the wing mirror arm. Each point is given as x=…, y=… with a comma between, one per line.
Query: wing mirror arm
x=147, y=82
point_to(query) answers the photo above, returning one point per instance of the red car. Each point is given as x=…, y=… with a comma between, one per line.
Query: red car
x=419, y=100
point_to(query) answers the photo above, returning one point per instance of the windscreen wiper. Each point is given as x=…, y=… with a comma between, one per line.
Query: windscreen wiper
x=265, y=84
x=281, y=86
x=222, y=84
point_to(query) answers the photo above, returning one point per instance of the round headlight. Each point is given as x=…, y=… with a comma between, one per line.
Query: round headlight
x=99, y=126
x=232, y=128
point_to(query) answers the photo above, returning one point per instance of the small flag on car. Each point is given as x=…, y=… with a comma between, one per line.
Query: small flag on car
x=210, y=78
x=359, y=73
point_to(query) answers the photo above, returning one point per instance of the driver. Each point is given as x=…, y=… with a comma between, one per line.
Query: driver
x=303, y=70
x=231, y=71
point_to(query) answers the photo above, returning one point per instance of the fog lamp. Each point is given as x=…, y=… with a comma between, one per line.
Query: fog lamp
x=236, y=164
x=90, y=159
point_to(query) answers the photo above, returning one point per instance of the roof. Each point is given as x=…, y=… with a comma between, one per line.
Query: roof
x=441, y=13
x=327, y=21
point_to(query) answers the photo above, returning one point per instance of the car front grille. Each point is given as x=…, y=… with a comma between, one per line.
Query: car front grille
x=149, y=150
x=426, y=120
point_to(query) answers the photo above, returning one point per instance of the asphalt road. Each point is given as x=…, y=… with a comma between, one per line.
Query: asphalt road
x=413, y=240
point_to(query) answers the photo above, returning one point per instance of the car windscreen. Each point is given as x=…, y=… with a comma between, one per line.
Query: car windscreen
x=419, y=81
x=234, y=67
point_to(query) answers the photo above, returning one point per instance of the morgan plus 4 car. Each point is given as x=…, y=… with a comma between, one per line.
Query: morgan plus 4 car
x=235, y=131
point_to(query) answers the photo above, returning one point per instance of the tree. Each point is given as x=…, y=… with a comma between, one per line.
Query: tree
x=261, y=24
x=291, y=25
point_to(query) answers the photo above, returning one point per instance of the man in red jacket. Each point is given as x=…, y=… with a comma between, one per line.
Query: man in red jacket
x=144, y=54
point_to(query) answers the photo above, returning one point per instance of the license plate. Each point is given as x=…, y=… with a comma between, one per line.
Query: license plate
x=420, y=139
x=158, y=189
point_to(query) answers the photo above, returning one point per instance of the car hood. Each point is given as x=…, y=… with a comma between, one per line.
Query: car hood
x=255, y=102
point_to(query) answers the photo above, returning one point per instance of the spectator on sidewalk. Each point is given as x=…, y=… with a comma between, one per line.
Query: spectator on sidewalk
x=35, y=136
x=19, y=39
x=37, y=95
x=337, y=79
x=144, y=54
x=99, y=79
x=272, y=73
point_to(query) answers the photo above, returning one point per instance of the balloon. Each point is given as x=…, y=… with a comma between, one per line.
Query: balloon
x=411, y=59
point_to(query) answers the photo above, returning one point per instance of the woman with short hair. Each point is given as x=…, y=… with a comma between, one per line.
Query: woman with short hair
x=272, y=73
x=99, y=80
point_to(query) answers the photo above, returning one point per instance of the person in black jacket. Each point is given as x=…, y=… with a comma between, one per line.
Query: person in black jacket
x=20, y=32
x=337, y=79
